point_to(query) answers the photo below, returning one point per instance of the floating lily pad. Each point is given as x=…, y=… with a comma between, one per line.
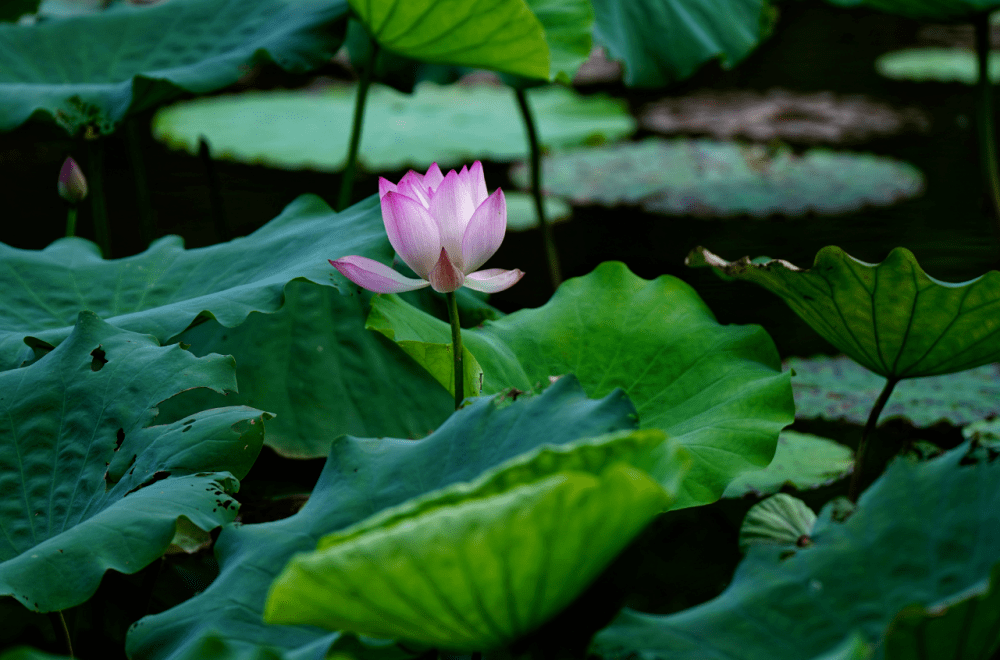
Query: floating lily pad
x=521, y=214
x=816, y=118
x=665, y=41
x=936, y=65
x=839, y=388
x=449, y=125
x=926, y=10
x=890, y=317
x=780, y=520
x=164, y=289
x=503, y=35
x=719, y=179
x=362, y=477
x=94, y=69
x=714, y=388
x=506, y=546
x=802, y=461
x=78, y=460
x=925, y=535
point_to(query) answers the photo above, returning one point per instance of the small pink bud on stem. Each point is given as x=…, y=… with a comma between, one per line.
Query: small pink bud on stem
x=72, y=183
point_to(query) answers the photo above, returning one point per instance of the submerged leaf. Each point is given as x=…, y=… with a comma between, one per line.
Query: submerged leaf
x=936, y=64
x=78, y=462
x=890, y=317
x=802, y=461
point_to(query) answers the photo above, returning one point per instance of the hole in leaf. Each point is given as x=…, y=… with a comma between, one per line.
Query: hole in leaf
x=186, y=429
x=99, y=359
x=119, y=439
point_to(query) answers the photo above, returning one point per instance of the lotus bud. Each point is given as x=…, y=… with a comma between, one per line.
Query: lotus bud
x=72, y=183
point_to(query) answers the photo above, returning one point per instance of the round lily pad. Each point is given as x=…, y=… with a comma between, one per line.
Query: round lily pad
x=936, y=65
x=778, y=114
x=802, y=461
x=521, y=214
x=449, y=125
x=839, y=388
x=725, y=179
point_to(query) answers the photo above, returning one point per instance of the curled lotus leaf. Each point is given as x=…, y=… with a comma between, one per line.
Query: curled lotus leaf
x=780, y=520
x=890, y=317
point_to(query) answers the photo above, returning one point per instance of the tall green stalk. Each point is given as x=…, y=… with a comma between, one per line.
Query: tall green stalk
x=551, y=255
x=456, y=348
x=147, y=215
x=95, y=183
x=984, y=112
x=71, y=220
x=859, y=460
x=347, y=182
x=59, y=624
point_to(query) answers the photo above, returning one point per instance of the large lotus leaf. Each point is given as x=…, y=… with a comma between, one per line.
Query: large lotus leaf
x=839, y=388
x=566, y=25
x=28, y=653
x=449, y=125
x=924, y=535
x=503, y=35
x=87, y=485
x=314, y=365
x=510, y=561
x=724, y=179
x=936, y=64
x=522, y=216
x=363, y=477
x=715, y=388
x=926, y=10
x=665, y=41
x=162, y=290
x=891, y=317
x=801, y=460
x=94, y=69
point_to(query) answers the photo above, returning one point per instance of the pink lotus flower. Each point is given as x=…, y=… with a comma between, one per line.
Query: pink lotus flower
x=444, y=228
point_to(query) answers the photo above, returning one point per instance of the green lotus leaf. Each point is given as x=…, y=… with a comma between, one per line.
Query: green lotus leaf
x=891, y=317
x=780, y=520
x=926, y=10
x=28, y=653
x=665, y=41
x=449, y=125
x=801, y=460
x=714, y=388
x=503, y=35
x=93, y=70
x=475, y=575
x=710, y=179
x=924, y=535
x=361, y=478
x=78, y=461
x=965, y=627
x=936, y=64
x=314, y=365
x=839, y=388
x=164, y=289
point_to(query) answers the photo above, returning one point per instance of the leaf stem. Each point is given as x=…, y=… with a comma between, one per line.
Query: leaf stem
x=984, y=111
x=95, y=181
x=147, y=215
x=551, y=255
x=859, y=460
x=456, y=348
x=59, y=625
x=218, y=206
x=71, y=220
x=347, y=181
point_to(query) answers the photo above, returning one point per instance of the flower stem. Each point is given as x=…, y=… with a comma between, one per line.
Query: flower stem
x=859, y=460
x=147, y=216
x=551, y=255
x=59, y=624
x=347, y=181
x=95, y=180
x=456, y=348
x=71, y=220
x=218, y=206
x=984, y=111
